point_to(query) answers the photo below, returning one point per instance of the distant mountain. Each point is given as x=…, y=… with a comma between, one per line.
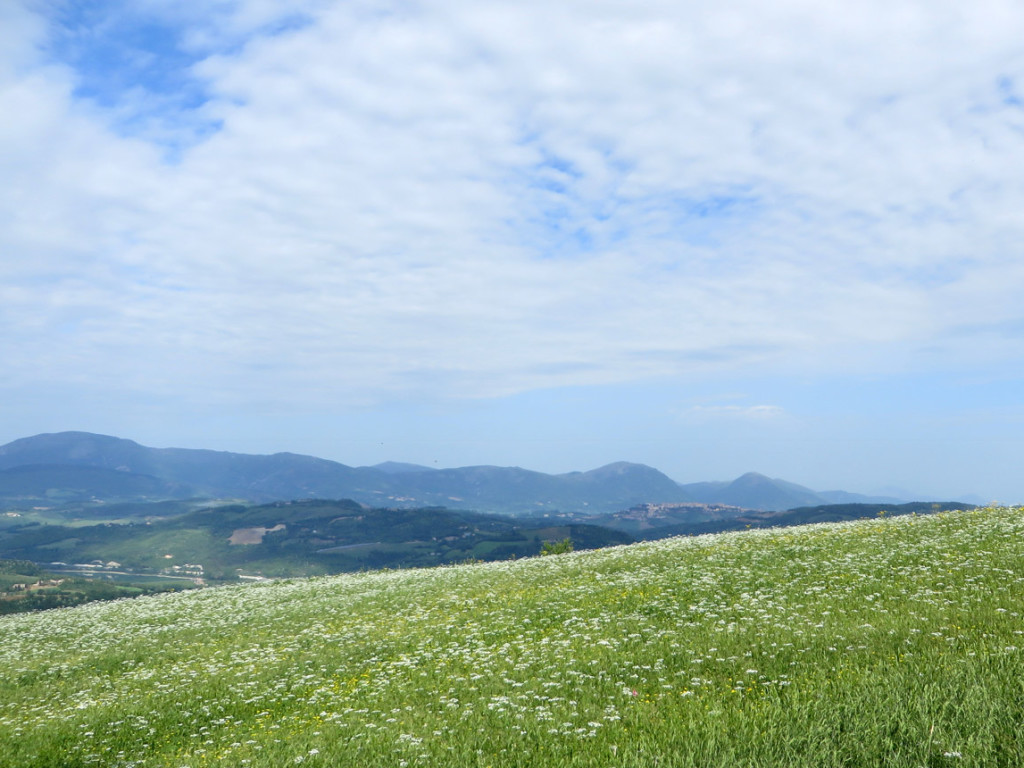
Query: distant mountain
x=399, y=467
x=62, y=460
x=623, y=482
x=522, y=491
x=202, y=472
x=902, y=493
x=754, y=491
x=845, y=497
x=281, y=476
x=76, y=448
x=73, y=484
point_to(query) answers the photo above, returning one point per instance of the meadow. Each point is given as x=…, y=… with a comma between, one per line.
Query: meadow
x=882, y=642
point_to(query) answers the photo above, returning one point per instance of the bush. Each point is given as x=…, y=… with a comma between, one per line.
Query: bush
x=556, y=547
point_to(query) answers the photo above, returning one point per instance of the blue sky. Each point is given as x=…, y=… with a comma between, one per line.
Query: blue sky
x=711, y=237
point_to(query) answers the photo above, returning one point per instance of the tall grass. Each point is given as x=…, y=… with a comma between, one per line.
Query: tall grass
x=875, y=643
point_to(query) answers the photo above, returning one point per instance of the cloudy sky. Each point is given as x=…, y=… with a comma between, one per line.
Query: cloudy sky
x=713, y=236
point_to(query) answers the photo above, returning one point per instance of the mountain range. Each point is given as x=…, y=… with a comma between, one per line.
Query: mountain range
x=81, y=467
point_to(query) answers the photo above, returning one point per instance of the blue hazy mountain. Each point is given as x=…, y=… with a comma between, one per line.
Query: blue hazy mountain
x=80, y=465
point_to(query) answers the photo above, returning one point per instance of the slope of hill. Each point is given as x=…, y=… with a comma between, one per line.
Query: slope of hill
x=63, y=484
x=287, y=539
x=883, y=642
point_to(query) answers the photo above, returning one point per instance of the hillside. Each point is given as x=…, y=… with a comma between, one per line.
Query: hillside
x=62, y=484
x=287, y=539
x=659, y=521
x=881, y=642
x=313, y=537
x=79, y=468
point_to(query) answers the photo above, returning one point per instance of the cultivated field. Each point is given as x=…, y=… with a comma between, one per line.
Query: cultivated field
x=888, y=642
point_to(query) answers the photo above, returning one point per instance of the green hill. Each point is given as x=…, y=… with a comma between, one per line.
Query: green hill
x=287, y=539
x=892, y=642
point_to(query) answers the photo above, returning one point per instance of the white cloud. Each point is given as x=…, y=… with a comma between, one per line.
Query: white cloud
x=481, y=199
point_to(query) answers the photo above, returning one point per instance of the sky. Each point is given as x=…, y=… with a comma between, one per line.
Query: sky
x=712, y=237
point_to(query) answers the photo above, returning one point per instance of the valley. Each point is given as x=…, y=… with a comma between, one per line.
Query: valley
x=85, y=506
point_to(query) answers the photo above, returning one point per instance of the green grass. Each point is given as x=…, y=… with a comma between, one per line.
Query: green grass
x=877, y=643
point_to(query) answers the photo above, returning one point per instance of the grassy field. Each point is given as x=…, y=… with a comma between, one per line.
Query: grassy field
x=889, y=642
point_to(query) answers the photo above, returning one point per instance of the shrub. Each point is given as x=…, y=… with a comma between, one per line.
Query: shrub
x=556, y=547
